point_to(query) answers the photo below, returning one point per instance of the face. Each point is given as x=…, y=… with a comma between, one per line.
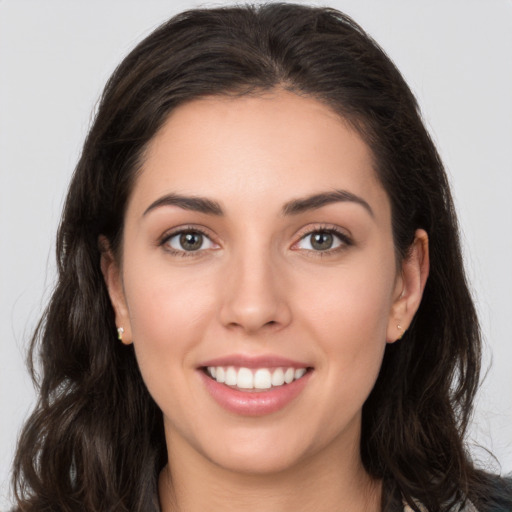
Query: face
x=258, y=280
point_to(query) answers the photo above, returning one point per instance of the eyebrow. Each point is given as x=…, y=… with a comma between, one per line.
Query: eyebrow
x=196, y=204
x=294, y=207
x=316, y=201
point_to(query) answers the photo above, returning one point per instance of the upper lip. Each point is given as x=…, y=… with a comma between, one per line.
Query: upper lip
x=264, y=361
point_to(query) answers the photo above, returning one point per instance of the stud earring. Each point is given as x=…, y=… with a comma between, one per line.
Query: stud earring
x=400, y=328
x=120, y=332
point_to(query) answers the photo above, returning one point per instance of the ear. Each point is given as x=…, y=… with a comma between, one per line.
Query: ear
x=409, y=287
x=112, y=276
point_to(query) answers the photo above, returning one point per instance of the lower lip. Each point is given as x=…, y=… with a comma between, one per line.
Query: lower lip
x=254, y=403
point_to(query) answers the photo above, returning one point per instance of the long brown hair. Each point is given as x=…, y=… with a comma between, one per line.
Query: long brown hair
x=95, y=441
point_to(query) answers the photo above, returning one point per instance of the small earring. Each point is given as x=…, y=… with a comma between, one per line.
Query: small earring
x=400, y=328
x=120, y=332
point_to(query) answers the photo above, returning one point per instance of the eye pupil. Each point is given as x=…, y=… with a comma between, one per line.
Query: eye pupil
x=322, y=240
x=191, y=241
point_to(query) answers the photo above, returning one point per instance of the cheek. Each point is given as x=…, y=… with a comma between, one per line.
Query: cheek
x=166, y=334
x=164, y=300
x=168, y=312
x=350, y=301
x=348, y=314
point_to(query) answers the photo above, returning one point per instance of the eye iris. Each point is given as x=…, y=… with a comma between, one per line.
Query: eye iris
x=191, y=241
x=321, y=240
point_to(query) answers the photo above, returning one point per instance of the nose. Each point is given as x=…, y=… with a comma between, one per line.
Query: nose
x=254, y=294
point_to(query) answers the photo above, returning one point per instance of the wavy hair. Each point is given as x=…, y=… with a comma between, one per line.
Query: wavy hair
x=95, y=440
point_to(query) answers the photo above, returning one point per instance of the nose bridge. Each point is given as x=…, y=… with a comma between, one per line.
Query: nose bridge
x=253, y=293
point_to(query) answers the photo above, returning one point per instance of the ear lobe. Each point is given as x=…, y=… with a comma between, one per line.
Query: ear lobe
x=112, y=276
x=410, y=287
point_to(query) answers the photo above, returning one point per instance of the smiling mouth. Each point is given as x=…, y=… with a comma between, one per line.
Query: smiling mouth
x=255, y=379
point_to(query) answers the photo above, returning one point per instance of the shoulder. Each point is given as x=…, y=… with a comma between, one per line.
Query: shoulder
x=497, y=494
x=494, y=495
x=466, y=507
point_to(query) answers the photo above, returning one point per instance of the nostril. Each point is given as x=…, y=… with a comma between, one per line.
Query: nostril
x=251, y=310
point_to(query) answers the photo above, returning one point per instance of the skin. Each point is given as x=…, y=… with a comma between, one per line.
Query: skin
x=257, y=286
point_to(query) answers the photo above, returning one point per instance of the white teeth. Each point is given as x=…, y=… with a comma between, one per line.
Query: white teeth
x=261, y=378
x=278, y=377
x=299, y=373
x=231, y=377
x=289, y=375
x=245, y=379
x=220, y=374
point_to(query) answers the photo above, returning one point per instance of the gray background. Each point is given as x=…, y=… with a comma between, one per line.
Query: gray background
x=55, y=56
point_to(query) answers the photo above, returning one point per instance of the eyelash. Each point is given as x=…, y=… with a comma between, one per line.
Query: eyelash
x=345, y=241
x=164, y=242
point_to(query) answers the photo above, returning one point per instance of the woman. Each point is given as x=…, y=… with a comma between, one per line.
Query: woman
x=262, y=220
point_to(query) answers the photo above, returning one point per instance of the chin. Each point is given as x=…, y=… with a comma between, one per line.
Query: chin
x=260, y=451
x=263, y=463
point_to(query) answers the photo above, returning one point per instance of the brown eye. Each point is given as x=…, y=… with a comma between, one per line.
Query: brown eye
x=322, y=241
x=189, y=241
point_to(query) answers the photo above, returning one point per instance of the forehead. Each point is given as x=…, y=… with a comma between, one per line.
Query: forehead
x=266, y=148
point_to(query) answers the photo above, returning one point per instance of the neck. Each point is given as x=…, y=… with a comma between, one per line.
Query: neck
x=332, y=480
